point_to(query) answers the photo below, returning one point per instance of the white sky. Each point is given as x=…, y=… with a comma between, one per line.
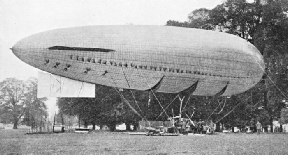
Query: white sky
x=21, y=18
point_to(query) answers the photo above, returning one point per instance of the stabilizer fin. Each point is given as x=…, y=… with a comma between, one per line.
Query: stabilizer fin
x=190, y=89
x=157, y=85
x=222, y=91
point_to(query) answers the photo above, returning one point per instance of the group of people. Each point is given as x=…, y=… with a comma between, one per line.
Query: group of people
x=188, y=126
x=202, y=127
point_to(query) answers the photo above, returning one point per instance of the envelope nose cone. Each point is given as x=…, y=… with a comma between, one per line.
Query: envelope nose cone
x=19, y=51
x=26, y=50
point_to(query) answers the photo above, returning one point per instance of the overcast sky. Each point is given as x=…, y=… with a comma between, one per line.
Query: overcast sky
x=21, y=18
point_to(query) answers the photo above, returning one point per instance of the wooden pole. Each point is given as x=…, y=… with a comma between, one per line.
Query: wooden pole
x=181, y=102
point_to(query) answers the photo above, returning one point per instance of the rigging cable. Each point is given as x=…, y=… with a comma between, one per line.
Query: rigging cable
x=127, y=102
x=231, y=110
x=136, y=101
x=124, y=99
x=122, y=96
x=214, y=110
x=276, y=85
x=187, y=102
x=153, y=93
x=130, y=90
x=263, y=69
x=222, y=107
x=166, y=107
x=80, y=88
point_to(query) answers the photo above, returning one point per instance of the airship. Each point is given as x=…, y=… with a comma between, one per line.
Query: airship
x=160, y=58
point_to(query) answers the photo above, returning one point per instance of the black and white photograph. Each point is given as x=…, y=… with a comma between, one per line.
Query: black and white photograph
x=144, y=77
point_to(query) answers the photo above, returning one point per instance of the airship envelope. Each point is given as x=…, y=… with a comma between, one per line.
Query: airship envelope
x=160, y=58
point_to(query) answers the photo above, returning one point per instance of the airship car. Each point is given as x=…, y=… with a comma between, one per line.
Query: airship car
x=162, y=58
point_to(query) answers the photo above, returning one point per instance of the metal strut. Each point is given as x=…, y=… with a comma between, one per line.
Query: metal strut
x=189, y=91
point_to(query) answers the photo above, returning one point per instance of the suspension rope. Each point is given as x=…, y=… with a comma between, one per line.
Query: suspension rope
x=229, y=112
x=192, y=114
x=256, y=104
x=149, y=99
x=186, y=103
x=136, y=101
x=125, y=77
x=167, y=107
x=189, y=97
x=222, y=107
x=276, y=86
x=191, y=120
x=130, y=90
x=159, y=103
x=153, y=93
x=184, y=109
x=52, y=87
x=232, y=110
x=163, y=110
x=213, y=111
x=80, y=88
x=263, y=69
x=125, y=100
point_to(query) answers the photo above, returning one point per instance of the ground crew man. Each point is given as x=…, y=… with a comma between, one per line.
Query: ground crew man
x=259, y=127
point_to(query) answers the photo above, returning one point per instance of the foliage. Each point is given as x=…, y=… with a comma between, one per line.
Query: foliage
x=105, y=109
x=284, y=116
x=200, y=18
x=176, y=23
x=18, y=99
x=12, y=99
x=35, y=108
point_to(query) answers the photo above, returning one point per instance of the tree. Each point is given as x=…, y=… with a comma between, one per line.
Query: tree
x=200, y=19
x=18, y=99
x=12, y=99
x=284, y=116
x=176, y=23
x=35, y=109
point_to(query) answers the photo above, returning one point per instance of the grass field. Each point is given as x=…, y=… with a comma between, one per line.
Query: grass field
x=17, y=142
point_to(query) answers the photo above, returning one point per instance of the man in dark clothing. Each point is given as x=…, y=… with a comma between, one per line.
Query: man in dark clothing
x=259, y=127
